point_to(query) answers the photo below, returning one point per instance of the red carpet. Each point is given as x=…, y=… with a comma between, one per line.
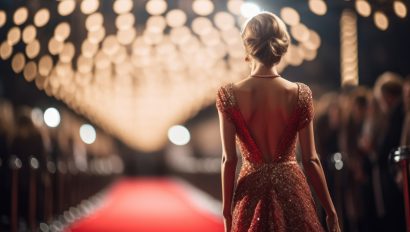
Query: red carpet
x=148, y=205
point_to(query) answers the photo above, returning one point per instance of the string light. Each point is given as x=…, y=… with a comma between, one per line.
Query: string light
x=380, y=20
x=363, y=8
x=349, y=49
x=52, y=117
x=88, y=134
x=249, y=9
x=400, y=9
x=3, y=18
x=154, y=74
x=318, y=7
x=66, y=7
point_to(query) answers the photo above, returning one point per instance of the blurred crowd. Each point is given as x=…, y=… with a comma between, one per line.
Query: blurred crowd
x=45, y=171
x=356, y=130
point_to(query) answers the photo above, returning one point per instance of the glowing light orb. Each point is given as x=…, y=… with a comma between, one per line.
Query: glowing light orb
x=179, y=135
x=88, y=134
x=52, y=117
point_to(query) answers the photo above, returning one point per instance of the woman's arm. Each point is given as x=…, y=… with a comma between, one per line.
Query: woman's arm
x=315, y=174
x=228, y=167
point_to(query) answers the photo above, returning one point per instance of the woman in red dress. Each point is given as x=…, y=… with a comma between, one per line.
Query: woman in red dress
x=265, y=114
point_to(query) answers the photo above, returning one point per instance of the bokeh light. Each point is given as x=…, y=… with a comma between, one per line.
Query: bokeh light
x=290, y=16
x=66, y=7
x=249, y=9
x=156, y=7
x=318, y=7
x=37, y=116
x=380, y=20
x=179, y=135
x=202, y=7
x=52, y=117
x=234, y=6
x=400, y=9
x=20, y=15
x=176, y=18
x=89, y=6
x=363, y=8
x=3, y=18
x=88, y=134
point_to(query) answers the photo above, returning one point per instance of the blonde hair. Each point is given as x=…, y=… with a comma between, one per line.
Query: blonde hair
x=266, y=38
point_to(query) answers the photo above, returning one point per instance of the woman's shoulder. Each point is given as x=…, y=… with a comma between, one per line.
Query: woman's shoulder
x=224, y=96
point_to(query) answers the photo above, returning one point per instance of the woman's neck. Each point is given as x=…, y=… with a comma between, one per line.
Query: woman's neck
x=262, y=70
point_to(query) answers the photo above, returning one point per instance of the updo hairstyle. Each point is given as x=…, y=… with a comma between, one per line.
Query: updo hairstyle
x=266, y=38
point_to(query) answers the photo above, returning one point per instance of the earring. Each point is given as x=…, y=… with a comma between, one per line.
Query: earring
x=247, y=58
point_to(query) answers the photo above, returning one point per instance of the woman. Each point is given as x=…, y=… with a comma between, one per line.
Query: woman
x=265, y=112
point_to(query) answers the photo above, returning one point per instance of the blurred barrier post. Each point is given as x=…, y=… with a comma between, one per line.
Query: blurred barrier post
x=401, y=155
x=15, y=165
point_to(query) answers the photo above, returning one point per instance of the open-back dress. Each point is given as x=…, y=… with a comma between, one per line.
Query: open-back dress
x=271, y=195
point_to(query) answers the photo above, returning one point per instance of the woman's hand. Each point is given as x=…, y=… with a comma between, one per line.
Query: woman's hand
x=227, y=222
x=332, y=223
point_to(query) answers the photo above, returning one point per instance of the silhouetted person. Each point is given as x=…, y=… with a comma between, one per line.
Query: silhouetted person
x=6, y=130
x=27, y=143
x=392, y=107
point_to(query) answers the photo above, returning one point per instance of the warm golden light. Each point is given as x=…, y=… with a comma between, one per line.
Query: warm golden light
x=203, y=7
x=122, y=6
x=363, y=8
x=300, y=32
x=33, y=49
x=110, y=45
x=66, y=7
x=156, y=24
x=309, y=54
x=160, y=71
x=180, y=35
x=201, y=25
x=96, y=36
x=55, y=46
x=62, y=31
x=42, y=17
x=126, y=36
x=381, y=21
x=293, y=56
x=314, y=41
x=3, y=18
x=234, y=6
x=125, y=21
x=67, y=54
x=290, y=16
x=30, y=71
x=20, y=15
x=156, y=7
x=89, y=6
x=29, y=34
x=400, y=9
x=45, y=64
x=348, y=49
x=176, y=18
x=88, y=48
x=94, y=22
x=14, y=35
x=318, y=7
x=224, y=20
x=5, y=50
x=18, y=62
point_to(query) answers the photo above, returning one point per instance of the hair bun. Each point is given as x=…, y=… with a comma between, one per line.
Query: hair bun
x=278, y=46
x=266, y=38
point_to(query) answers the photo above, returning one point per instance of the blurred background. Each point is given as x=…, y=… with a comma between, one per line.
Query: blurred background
x=107, y=112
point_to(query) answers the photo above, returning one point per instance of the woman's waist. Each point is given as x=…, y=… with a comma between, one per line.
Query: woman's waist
x=281, y=165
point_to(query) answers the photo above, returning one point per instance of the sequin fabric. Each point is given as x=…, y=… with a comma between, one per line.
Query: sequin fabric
x=271, y=195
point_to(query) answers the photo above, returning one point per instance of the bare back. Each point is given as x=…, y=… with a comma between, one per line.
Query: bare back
x=266, y=105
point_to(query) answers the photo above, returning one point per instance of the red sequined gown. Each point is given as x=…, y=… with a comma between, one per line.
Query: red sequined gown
x=271, y=195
